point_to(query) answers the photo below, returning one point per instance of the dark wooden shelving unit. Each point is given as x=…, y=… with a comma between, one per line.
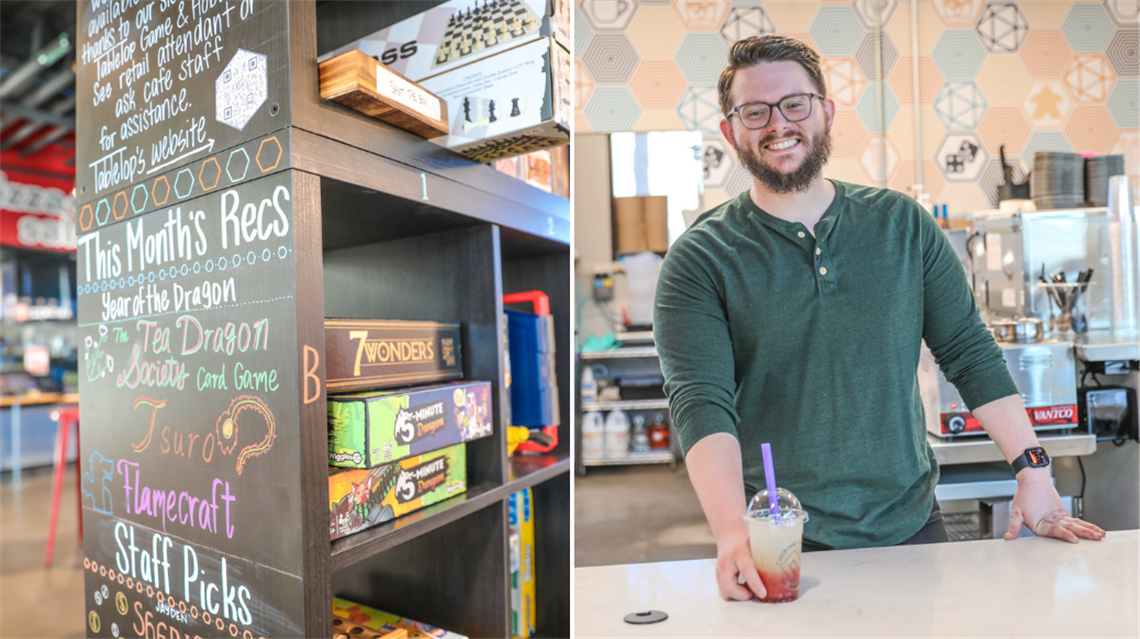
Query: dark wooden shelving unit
x=396, y=227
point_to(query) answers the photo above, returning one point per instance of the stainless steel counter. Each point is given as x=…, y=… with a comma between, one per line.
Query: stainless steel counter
x=1104, y=346
x=1030, y=587
x=981, y=449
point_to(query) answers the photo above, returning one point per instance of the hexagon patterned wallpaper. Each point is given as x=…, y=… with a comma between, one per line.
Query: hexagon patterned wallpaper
x=1026, y=75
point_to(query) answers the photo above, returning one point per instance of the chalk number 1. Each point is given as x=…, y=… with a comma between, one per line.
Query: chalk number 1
x=423, y=177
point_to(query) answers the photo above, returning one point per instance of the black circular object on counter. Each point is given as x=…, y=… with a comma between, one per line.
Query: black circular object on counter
x=649, y=616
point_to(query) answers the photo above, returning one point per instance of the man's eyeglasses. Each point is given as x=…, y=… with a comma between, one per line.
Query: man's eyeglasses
x=756, y=115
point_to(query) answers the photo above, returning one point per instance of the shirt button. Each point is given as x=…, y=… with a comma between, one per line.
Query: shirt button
x=801, y=234
x=823, y=271
x=818, y=251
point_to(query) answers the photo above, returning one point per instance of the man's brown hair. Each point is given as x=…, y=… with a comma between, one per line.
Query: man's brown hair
x=767, y=48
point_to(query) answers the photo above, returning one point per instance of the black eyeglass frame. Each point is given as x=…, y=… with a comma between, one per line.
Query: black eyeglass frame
x=771, y=109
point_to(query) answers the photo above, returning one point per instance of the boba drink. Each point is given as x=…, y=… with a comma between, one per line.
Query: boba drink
x=776, y=545
x=776, y=535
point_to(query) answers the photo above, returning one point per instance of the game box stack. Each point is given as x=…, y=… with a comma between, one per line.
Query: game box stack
x=502, y=66
x=396, y=450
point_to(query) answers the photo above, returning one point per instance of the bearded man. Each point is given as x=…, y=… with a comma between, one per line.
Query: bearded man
x=794, y=314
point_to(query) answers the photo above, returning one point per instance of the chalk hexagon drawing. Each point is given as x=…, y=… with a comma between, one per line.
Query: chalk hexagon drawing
x=241, y=89
x=961, y=156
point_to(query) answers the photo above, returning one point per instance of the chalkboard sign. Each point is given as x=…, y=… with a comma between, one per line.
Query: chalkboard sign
x=189, y=408
x=163, y=83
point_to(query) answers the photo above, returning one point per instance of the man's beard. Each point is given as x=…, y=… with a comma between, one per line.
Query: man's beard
x=798, y=180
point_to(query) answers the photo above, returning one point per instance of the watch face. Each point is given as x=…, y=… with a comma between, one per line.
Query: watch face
x=1037, y=457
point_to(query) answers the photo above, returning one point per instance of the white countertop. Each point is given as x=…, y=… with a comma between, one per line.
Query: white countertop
x=1028, y=587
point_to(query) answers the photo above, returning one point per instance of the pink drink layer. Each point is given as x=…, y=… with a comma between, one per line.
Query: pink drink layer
x=776, y=553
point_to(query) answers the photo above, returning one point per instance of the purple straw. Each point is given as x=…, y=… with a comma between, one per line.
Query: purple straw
x=770, y=479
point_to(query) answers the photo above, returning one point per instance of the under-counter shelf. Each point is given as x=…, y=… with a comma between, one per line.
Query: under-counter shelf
x=632, y=459
x=621, y=353
x=627, y=404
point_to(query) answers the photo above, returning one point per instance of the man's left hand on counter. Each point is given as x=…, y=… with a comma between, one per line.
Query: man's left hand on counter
x=1036, y=504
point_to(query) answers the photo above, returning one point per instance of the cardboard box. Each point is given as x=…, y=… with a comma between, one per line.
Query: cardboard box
x=432, y=42
x=520, y=509
x=370, y=354
x=386, y=621
x=362, y=498
x=508, y=104
x=373, y=428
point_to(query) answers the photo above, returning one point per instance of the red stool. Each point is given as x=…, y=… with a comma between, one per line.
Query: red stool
x=66, y=419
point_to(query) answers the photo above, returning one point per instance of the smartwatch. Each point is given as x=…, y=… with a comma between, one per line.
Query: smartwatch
x=1031, y=458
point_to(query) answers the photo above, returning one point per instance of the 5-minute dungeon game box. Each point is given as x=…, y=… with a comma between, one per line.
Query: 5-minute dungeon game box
x=361, y=498
x=377, y=427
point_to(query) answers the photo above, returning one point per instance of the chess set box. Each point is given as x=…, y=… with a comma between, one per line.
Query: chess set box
x=508, y=104
x=501, y=66
x=459, y=32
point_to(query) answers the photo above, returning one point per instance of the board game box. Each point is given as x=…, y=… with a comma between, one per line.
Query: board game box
x=386, y=621
x=373, y=428
x=370, y=354
x=459, y=32
x=520, y=514
x=507, y=104
x=362, y=498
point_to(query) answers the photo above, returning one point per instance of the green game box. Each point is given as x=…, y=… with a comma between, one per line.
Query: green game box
x=372, y=428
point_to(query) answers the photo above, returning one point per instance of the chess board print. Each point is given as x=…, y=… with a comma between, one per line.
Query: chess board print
x=484, y=25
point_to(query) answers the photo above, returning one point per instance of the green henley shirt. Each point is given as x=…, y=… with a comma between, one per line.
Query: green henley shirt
x=812, y=344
